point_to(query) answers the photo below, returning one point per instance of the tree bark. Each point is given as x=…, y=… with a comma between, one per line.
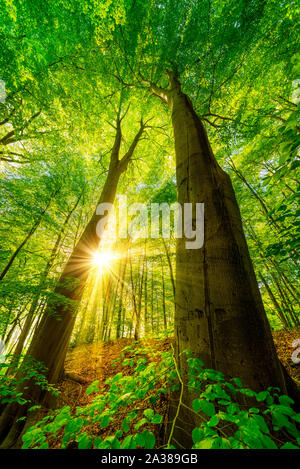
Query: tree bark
x=51, y=339
x=219, y=313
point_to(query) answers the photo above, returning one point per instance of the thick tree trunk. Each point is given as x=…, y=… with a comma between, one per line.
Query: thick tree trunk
x=51, y=339
x=219, y=314
x=53, y=335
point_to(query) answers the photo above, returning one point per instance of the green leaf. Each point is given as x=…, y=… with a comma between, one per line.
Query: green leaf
x=202, y=404
x=237, y=382
x=289, y=446
x=156, y=418
x=196, y=405
x=140, y=423
x=139, y=439
x=205, y=444
x=149, y=413
x=74, y=425
x=267, y=442
x=197, y=434
x=125, y=426
x=84, y=441
x=213, y=421
x=105, y=421
x=112, y=442
x=94, y=387
x=149, y=439
x=261, y=423
x=262, y=396
x=98, y=443
x=128, y=443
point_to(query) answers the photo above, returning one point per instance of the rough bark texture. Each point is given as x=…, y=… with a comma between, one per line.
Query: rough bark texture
x=52, y=337
x=219, y=313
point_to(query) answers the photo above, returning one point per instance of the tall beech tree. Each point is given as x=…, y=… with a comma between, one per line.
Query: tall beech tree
x=218, y=303
x=220, y=75
x=51, y=339
x=219, y=315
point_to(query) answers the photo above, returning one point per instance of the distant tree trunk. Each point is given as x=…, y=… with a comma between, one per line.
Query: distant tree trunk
x=281, y=282
x=88, y=314
x=163, y=295
x=105, y=306
x=146, y=294
x=124, y=314
x=170, y=267
x=274, y=301
x=32, y=230
x=134, y=301
x=7, y=320
x=219, y=313
x=15, y=323
x=30, y=316
x=152, y=301
x=111, y=309
x=51, y=339
x=287, y=304
x=140, y=297
x=120, y=306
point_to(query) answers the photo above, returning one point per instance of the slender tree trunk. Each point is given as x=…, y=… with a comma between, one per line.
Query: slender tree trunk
x=135, y=309
x=15, y=323
x=287, y=303
x=124, y=314
x=163, y=295
x=282, y=280
x=32, y=230
x=120, y=306
x=152, y=301
x=274, y=301
x=110, y=309
x=170, y=266
x=146, y=294
x=30, y=316
x=140, y=297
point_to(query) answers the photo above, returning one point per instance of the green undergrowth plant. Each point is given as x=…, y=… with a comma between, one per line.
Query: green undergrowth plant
x=14, y=373
x=129, y=397
x=228, y=422
x=122, y=415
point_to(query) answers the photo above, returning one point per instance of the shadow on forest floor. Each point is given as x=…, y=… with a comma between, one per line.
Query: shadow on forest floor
x=91, y=362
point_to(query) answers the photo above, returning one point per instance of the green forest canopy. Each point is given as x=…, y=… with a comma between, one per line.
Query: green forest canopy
x=73, y=72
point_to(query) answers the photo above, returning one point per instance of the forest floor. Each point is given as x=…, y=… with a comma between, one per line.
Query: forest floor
x=93, y=362
x=283, y=342
x=98, y=361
